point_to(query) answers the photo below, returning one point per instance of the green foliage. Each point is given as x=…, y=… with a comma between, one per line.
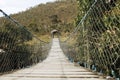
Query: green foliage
x=96, y=41
x=18, y=47
x=42, y=18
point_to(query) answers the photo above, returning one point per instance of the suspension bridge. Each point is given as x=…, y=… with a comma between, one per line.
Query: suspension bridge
x=91, y=51
x=55, y=67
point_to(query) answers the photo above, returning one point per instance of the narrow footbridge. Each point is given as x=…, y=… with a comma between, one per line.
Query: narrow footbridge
x=55, y=67
x=88, y=52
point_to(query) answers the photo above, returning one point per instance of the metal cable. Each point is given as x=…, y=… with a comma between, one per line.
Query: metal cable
x=96, y=41
x=19, y=48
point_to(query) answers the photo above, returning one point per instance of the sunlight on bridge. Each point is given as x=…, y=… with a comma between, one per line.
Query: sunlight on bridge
x=90, y=52
x=55, y=67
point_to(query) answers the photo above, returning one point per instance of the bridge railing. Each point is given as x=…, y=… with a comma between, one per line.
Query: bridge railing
x=95, y=42
x=19, y=48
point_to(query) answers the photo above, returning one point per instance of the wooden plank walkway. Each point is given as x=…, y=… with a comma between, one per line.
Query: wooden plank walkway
x=55, y=67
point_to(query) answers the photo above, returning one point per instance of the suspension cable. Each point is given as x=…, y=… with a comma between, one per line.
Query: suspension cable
x=81, y=21
x=20, y=25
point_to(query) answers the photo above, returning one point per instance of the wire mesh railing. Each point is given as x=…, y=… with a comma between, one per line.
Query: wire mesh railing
x=95, y=42
x=19, y=48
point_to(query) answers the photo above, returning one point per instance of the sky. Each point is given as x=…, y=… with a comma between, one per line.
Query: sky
x=15, y=6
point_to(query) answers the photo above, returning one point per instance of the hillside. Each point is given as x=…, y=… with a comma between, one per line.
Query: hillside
x=43, y=18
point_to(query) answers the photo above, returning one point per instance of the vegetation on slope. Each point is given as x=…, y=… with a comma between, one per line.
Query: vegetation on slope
x=97, y=43
x=43, y=18
x=19, y=48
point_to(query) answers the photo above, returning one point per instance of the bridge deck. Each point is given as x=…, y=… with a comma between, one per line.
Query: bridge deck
x=55, y=67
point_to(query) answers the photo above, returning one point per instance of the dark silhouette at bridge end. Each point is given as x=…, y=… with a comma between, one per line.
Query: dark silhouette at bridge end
x=55, y=33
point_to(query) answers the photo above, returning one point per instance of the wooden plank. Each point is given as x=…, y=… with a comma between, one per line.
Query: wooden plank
x=55, y=67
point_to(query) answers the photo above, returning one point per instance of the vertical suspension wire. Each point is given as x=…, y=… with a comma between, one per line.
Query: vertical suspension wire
x=99, y=36
x=19, y=47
